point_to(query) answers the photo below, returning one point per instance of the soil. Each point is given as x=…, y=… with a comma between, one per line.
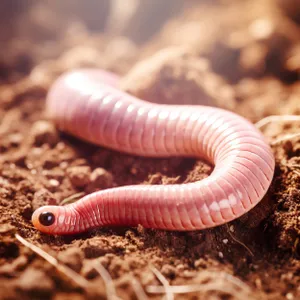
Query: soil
x=240, y=55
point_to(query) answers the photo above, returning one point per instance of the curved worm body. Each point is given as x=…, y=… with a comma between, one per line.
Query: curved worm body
x=86, y=104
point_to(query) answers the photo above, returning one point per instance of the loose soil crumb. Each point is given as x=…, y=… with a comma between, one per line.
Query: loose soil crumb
x=240, y=55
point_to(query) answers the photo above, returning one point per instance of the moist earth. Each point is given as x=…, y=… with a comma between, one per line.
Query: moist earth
x=240, y=55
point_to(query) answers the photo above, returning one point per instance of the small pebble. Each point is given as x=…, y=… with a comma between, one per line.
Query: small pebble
x=61, y=146
x=63, y=165
x=53, y=182
x=261, y=28
x=225, y=241
x=29, y=166
x=289, y=296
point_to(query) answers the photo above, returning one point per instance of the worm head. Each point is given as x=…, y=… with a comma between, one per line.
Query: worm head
x=46, y=218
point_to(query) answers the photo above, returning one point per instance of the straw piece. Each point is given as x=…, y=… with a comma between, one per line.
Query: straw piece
x=164, y=282
x=68, y=272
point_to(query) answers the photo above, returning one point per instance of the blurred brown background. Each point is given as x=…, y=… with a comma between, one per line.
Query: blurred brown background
x=138, y=19
x=242, y=55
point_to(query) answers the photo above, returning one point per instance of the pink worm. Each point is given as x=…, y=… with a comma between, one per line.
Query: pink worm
x=83, y=105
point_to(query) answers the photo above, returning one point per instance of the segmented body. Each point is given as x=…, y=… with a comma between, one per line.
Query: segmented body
x=86, y=104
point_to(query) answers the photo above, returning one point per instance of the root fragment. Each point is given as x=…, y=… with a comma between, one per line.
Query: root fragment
x=239, y=242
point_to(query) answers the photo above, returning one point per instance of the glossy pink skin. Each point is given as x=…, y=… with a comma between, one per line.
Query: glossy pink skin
x=83, y=104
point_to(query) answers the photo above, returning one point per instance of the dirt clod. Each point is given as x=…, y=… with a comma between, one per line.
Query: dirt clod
x=79, y=176
x=100, y=179
x=33, y=280
x=177, y=73
x=43, y=197
x=44, y=132
x=72, y=257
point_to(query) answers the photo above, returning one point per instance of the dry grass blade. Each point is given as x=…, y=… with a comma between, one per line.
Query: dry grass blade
x=191, y=288
x=219, y=282
x=164, y=282
x=71, y=199
x=236, y=281
x=280, y=118
x=238, y=241
x=109, y=285
x=203, y=288
x=72, y=275
x=285, y=138
x=138, y=289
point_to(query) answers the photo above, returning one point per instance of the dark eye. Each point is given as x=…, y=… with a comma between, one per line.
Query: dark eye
x=46, y=218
